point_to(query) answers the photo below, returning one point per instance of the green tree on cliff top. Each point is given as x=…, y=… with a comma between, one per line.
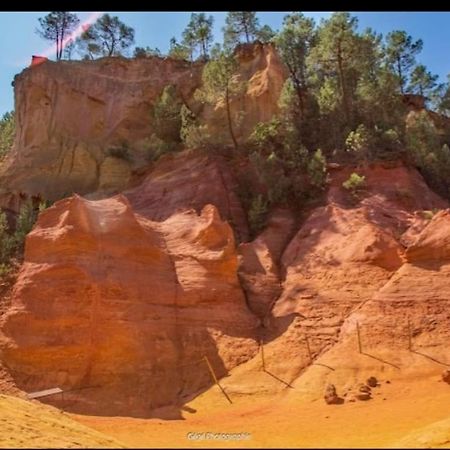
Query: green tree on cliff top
x=56, y=27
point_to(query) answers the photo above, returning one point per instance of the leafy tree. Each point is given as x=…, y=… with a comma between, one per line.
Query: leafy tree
x=238, y=25
x=285, y=167
x=294, y=43
x=69, y=48
x=220, y=84
x=422, y=81
x=108, y=36
x=335, y=54
x=198, y=33
x=146, y=52
x=179, y=51
x=265, y=34
x=400, y=54
x=444, y=100
x=56, y=27
x=430, y=155
x=7, y=132
x=359, y=143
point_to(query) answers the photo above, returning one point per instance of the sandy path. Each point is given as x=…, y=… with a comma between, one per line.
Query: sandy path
x=288, y=420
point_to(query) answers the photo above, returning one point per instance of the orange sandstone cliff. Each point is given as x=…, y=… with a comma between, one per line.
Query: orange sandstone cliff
x=121, y=296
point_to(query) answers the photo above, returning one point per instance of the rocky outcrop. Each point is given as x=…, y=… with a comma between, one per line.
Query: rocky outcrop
x=414, y=302
x=331, y=397
x=126, y=308
x=261, y=76
x=189, y=180
x=344, y=255
x=84, y=126
x=259, y=268
x=70, y=114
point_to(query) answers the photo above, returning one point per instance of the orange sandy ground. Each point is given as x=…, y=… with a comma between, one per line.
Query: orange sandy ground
x=412, y=413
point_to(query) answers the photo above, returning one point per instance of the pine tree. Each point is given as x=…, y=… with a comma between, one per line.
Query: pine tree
x=107, y=37
x=238, y=25
x=294, y=44
x=400, y=55
x=422, y=81
x=56, y=27
x=198, y=34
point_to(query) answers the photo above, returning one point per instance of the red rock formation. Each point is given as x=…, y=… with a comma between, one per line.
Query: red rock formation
x=71, y=114
x=189, y=180
x=108, y=298
x=342, y=256
x=264, y=74
x=417, y=292
x=259, y=268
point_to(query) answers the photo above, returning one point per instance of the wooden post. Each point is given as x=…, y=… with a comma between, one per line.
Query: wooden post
x=215, y=379
x=409, y=336
x=261, y=343
x=309, y=349
x=359, y=337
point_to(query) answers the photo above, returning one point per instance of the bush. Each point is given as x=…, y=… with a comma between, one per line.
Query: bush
x=317, y=169
x=354, y=183
x=24, y=224
x=7, y=131
x=12, y=244
x=266, y=135
x=359, y=142
x=194, y=135
x=6, y=240
x=429, y=153
x=146, y=52
x=167, y=114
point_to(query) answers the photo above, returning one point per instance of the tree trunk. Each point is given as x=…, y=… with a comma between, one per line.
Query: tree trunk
x=61, y=45
x=342, y=82
x=204, y=48
x=400, y=74
x=230, y=127
x=246, y=32
x=301, y=101
x=57, y=44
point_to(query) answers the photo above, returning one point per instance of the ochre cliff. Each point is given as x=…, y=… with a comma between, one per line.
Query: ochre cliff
x=348, y=252
x=108, y=298
x=128, y=283
x=84, y=126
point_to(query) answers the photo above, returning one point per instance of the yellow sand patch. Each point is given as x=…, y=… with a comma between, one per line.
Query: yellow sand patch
x=30, y=424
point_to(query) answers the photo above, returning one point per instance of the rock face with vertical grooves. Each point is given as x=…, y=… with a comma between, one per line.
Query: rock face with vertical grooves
x=350, y=250
x=108, y=298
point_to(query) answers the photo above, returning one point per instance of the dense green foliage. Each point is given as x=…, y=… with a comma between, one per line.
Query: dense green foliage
x=430, y=154
x=7, y=132
x=354, y=184
x=12, y=241
x=198, y=35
